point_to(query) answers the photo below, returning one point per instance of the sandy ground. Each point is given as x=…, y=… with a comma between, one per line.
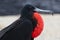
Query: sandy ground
x=51, y=26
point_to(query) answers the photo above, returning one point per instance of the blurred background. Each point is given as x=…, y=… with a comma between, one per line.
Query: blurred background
x=8, y=7
x=10, y=10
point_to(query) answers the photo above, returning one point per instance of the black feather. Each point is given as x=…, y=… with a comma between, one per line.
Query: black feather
x=22, y=28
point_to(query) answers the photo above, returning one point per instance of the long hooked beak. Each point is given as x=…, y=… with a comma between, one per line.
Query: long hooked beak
x=41, y=10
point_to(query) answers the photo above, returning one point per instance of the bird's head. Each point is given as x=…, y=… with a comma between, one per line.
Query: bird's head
x=27, y=10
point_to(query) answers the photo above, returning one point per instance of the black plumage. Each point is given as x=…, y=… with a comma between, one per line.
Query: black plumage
x=22, y=28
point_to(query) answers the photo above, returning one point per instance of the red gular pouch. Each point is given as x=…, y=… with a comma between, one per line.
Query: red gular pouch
x=38, y=29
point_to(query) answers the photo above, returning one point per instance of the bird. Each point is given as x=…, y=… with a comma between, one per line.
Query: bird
x=22, y=28
x=27, y=27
